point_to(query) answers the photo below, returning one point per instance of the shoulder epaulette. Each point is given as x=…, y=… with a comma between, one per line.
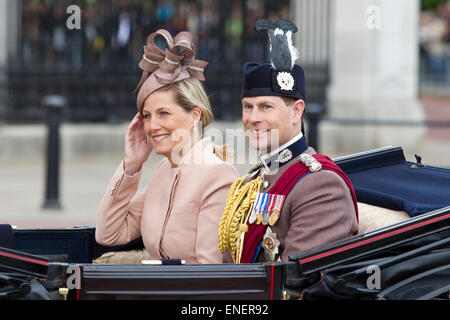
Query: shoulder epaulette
x=311, y=162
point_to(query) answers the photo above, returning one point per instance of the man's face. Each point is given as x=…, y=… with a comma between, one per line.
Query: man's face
x=268, y=121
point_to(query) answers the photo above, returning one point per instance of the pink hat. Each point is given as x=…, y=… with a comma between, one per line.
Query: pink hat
x=174, y=64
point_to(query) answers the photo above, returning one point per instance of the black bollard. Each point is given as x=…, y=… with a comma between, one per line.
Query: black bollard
x=313, y=113
x=53, y=105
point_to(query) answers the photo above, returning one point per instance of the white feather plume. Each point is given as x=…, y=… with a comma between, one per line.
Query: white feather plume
x=292, y=48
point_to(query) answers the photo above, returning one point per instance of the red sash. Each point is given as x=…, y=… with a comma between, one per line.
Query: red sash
x=283, y=186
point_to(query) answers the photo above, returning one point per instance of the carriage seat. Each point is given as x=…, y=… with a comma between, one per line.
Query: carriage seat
x=372, y=217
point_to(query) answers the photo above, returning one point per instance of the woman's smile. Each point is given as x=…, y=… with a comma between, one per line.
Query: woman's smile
x=161, y=138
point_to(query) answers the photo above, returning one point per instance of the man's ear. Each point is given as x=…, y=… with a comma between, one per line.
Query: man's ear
x=298, y=108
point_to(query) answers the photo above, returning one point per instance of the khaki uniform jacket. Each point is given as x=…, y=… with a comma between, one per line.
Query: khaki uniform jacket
x=177, y=214
x=318, y=210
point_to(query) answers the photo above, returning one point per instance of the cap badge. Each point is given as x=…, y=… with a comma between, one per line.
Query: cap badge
x=285, y=81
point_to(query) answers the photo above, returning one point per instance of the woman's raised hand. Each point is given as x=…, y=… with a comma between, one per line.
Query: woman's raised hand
x=137, y=148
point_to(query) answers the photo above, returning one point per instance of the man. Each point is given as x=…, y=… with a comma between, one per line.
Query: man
x=294, y=199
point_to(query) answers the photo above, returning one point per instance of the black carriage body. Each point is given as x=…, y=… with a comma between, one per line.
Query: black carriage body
x=412, y=254
x=204, y=282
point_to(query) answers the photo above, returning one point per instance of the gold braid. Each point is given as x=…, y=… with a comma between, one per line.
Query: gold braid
x=234, y=219
x=225, y=220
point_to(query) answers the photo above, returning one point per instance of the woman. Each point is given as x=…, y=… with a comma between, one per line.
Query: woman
x=178, y=213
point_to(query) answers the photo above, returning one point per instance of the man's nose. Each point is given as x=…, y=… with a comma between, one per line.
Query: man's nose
x=255, y=115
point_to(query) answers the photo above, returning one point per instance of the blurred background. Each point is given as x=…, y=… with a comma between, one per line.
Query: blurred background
x=378, y=74
x=96, y=67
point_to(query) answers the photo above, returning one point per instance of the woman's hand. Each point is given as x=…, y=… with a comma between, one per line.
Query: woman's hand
x=137, y=149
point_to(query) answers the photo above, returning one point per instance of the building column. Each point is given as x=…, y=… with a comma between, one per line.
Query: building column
x=374, y=75
x=312, y=39
x=3, y=54
x=3, y=34
x=10, y=15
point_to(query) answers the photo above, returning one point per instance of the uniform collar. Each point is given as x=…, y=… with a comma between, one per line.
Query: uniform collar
x=292, y=149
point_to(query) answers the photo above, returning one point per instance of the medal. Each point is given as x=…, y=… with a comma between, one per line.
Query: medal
x=277, y=210
x=255, y=209
x=259, y=217
x=273, y=218
x=265, y=220
x=269, y=209
x=270, y=243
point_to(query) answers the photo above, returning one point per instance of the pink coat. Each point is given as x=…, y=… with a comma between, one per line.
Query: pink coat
x=177, y=214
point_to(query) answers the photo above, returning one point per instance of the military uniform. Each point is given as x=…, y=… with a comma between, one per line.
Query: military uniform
x=319, y=209
x=303, y=200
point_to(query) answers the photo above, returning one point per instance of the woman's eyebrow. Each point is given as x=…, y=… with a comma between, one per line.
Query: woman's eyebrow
x=157, y=110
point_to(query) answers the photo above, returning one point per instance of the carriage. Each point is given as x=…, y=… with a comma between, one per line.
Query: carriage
x=404, y=259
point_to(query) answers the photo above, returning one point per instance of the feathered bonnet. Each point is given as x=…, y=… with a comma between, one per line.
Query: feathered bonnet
x=167, y=66
x=281, y=77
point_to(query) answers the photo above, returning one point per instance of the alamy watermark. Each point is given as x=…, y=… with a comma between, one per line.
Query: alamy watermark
x=373, y=21
x=73, y=22
x=374, y=17
x=74, y=278
x=242, y=147
x=374, y=280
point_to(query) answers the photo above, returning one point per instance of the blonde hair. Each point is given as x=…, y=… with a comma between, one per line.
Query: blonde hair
x=189, y=94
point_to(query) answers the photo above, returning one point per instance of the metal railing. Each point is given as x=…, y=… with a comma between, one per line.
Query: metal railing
x=102, y=92
x=101, y=96
x=106, y=96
